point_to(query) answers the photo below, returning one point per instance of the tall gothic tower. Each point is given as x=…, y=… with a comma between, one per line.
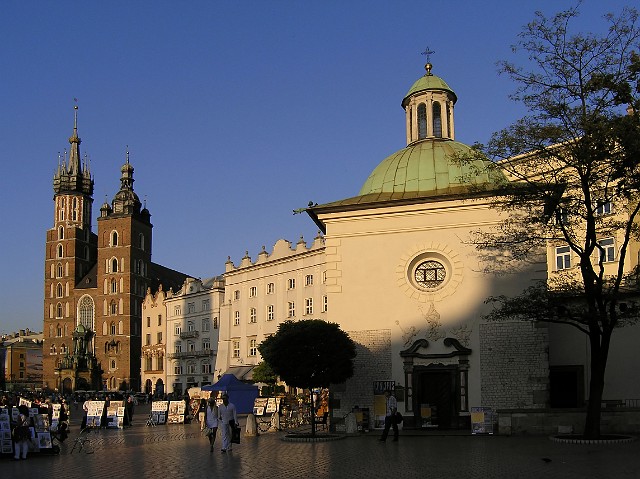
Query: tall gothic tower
x=124, y=260
x=71, y=251
x=95, y=283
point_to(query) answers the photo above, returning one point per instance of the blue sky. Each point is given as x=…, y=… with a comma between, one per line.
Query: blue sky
x=234, y=112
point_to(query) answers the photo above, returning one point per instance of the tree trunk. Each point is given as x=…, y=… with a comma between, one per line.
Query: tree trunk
x=599, y=354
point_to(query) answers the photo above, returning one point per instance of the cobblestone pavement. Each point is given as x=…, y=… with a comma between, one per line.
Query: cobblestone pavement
x=180, y=451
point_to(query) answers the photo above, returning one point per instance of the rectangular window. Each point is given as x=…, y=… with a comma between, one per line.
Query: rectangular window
x=603, y=208
x=236, y=295
x=253, y=347
x=177, y=310
x=159, y=338
x=308, y=306
x=160, y=363
x=325, y=304
x=291, y=309
x=148, y=321
x=159, y=320
x=308, y=280
x=608, y=251
x=563, y=258
x=190, y=326
x=192, y=347
x=205, y=325
x=253, y=291
x=324, y=277
x=206, y=343
x=177, y=370
x=206, y=305
x=291, y=283
x=178, y=329
x=191, y=308
x=191, y=368
x=253, y=315
x=148, y=363
x=236, y=318
x=271, y=288
x=148, y=340
x=270, y=313
x=177, y=348
x=236, y=348
x=206, y=368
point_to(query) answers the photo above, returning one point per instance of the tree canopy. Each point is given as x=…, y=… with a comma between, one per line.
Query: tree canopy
x=574, y=179
x=310, y=353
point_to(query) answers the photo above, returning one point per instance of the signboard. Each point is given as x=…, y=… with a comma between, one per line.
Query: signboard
x=176, y=412
x=159, y=411
x=94, y=413
x=481, y=420
x=259, y=405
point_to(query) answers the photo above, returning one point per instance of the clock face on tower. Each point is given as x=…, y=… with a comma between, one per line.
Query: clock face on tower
x=430, y=274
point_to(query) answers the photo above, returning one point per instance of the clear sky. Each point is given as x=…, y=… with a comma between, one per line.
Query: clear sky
x=234, y=112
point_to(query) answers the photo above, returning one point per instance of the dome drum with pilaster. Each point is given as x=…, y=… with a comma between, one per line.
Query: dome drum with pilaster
x=431, y=163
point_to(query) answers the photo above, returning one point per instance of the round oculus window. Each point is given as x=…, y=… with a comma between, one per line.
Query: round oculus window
x=430, y=274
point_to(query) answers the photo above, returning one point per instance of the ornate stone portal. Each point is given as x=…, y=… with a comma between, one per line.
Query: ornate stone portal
x=436, y=384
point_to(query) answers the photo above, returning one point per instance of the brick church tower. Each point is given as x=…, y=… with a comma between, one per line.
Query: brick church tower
x=95, y=283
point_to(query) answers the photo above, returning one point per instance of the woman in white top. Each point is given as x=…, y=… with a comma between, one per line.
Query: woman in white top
x=211, y=421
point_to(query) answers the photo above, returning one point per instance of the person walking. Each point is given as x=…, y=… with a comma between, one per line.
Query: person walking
x=211, y=415
x=228, y=419
x=21, y=434
x=390, y=416
x=202, y=410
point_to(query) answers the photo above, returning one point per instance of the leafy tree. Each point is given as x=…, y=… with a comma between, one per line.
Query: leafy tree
x=310, y=354
x=263, y=373
x=574, y=154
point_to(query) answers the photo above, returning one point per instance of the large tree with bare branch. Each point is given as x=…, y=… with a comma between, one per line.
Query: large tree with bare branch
x=574, y=168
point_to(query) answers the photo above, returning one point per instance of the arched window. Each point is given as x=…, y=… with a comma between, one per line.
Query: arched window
x=73, y=211
x=52, y=349
x=60, y=251
x=437, y=120
x=141, y=241
x=86, y=253
x=113, y=329
x=114, y=286
x=113, y=309
x=422, y=121
x=61, y=233
x=114, y=265
x=59, y=310
x=63, y=349
x=59, y=290
x=114, y=238
x=86, y=312
x=59, y=273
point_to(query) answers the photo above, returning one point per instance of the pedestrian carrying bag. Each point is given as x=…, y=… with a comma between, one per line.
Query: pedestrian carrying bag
x=235, y=433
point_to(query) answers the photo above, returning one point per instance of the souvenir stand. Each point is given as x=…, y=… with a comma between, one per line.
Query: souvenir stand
x=95, y=411
x=115, y=415
x=39, y=428
x=176, y=412
x=159, y=412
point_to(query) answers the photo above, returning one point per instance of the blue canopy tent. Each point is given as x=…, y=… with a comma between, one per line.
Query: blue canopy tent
x=241, y=394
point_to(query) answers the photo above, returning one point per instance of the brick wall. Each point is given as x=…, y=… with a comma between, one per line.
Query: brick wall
x=514, y=364
x=372, y=363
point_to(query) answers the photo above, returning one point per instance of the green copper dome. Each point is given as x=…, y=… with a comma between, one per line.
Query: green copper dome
x=429, y=167
x=428, y=82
